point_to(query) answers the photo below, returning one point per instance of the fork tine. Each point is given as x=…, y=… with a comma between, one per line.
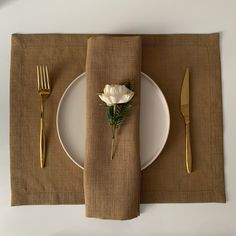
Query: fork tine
x=38, y=77
x=41, y=77
x=47, y=78
x=44, y=78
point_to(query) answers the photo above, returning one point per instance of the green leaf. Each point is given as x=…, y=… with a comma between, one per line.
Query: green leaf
x=110, y=115
x=122, y=111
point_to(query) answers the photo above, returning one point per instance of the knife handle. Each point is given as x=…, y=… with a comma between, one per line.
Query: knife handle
x=188, y=149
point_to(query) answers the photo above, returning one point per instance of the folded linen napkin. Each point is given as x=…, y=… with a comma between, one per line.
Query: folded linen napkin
x=112, y=187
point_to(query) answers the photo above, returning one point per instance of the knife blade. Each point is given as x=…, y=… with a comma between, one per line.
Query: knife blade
x=185, y=110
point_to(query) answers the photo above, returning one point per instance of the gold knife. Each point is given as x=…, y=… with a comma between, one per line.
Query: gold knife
x=184, y=107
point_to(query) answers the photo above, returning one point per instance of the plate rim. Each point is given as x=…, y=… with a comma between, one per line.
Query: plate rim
x=163, y=98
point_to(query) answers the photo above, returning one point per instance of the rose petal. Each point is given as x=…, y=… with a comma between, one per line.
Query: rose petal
x=105, y=99
x=114, y=99
x=106, y=89
x=124, y=90
x=126, y=98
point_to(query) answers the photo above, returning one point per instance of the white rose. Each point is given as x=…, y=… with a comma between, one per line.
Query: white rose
x=116, y=94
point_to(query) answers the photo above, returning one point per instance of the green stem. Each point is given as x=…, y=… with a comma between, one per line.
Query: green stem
x=113, y=134
x=114, y=110
x=112, y=141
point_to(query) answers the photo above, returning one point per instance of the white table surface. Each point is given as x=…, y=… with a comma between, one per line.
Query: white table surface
x=121, y=16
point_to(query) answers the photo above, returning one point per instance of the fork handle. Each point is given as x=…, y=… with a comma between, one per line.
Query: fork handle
x=42, y=141
x=188, y=149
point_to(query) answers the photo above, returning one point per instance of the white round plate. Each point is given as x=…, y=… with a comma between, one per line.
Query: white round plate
x=154, y=120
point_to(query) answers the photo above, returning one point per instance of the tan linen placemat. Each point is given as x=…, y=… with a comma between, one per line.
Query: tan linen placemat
x=164, y=58
x=112, y=187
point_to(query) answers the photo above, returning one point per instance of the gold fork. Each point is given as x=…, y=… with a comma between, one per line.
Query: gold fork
x=44, y=90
